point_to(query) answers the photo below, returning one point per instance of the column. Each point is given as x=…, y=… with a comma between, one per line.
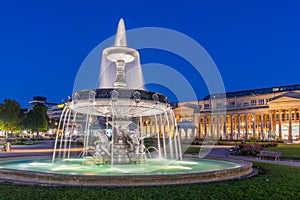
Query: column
x=231, y=127
x=199, y=128
x=290, y=137
x=274, y=122
x=246, y=126
x=218, y=127
x=205, y=126
x=211, y=131
x=225, y=126
x=262, y=124
x=266, y=125
x=254, y=125
x=270, y=124
x=280, y=122
x=299, y=123
x=222, y=127
x=239, y=126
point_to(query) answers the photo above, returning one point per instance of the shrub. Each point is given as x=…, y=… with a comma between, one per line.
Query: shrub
x=250, y=149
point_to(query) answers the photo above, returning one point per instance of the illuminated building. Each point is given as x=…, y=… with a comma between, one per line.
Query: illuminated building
x=264, y=114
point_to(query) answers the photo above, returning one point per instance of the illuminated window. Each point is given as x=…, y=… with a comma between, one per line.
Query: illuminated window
x=206, y=106
x=246, y=103
x=253, y=102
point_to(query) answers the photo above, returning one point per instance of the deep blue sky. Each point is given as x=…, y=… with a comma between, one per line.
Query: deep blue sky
x=43, y=43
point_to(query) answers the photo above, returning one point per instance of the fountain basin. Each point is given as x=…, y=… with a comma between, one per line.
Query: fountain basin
x=39, y=170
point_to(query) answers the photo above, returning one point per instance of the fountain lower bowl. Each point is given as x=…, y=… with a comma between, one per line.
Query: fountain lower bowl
x=155, y=172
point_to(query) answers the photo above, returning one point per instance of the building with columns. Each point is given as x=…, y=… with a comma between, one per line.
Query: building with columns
x=264, y=114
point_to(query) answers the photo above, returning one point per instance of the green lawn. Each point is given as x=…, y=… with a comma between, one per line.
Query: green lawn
x=193, y=150
x=289, y=151
x=274, y=182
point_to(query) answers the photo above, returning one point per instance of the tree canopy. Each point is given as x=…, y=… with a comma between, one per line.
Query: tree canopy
x=37, y=119
x=11, y=115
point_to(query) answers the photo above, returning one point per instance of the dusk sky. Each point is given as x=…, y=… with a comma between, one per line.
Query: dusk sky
x=254, y=44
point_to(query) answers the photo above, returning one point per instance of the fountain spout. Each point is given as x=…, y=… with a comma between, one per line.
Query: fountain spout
x=117, y=61
x=120, y=40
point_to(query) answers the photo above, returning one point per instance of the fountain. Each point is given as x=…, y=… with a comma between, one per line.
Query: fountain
x=110, y=120
x=124, y=108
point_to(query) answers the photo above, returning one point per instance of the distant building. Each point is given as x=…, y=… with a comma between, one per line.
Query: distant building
x=54, y=110
x=39, y=100
x=265, y=114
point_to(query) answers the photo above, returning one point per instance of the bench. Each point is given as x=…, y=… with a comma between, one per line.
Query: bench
x=274, y=154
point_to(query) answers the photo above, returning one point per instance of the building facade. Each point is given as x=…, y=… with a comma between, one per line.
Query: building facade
x=263, y=114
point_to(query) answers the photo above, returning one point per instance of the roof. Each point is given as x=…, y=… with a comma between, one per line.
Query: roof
x=289, y=94
x=253, y=92
x=193, y=106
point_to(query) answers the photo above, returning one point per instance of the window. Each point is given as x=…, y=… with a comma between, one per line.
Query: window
x=253, y=102
x=219, y=105
x=206, y=106
x=282, y=116
x=297, y=116
x=261, y=101
x=232, y=104
x=293, y=116
x=239, y=104
x=246, y=103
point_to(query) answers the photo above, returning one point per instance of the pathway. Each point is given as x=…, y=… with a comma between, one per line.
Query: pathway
x=223, y=151
x=46, y=148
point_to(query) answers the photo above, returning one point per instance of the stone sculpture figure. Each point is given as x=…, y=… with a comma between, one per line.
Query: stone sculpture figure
x=101, y=145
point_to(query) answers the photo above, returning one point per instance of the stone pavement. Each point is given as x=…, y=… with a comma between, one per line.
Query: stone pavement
x=46, y=148
x=43, y=148
x=282, y=162
x=223, y=151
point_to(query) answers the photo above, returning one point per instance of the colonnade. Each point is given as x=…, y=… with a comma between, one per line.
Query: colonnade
x=266, y=125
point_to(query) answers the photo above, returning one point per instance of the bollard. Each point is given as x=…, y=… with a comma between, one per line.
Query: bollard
x=8, y=146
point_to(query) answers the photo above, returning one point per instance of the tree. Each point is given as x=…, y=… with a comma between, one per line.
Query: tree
x=11, y=116
x=37, y=119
